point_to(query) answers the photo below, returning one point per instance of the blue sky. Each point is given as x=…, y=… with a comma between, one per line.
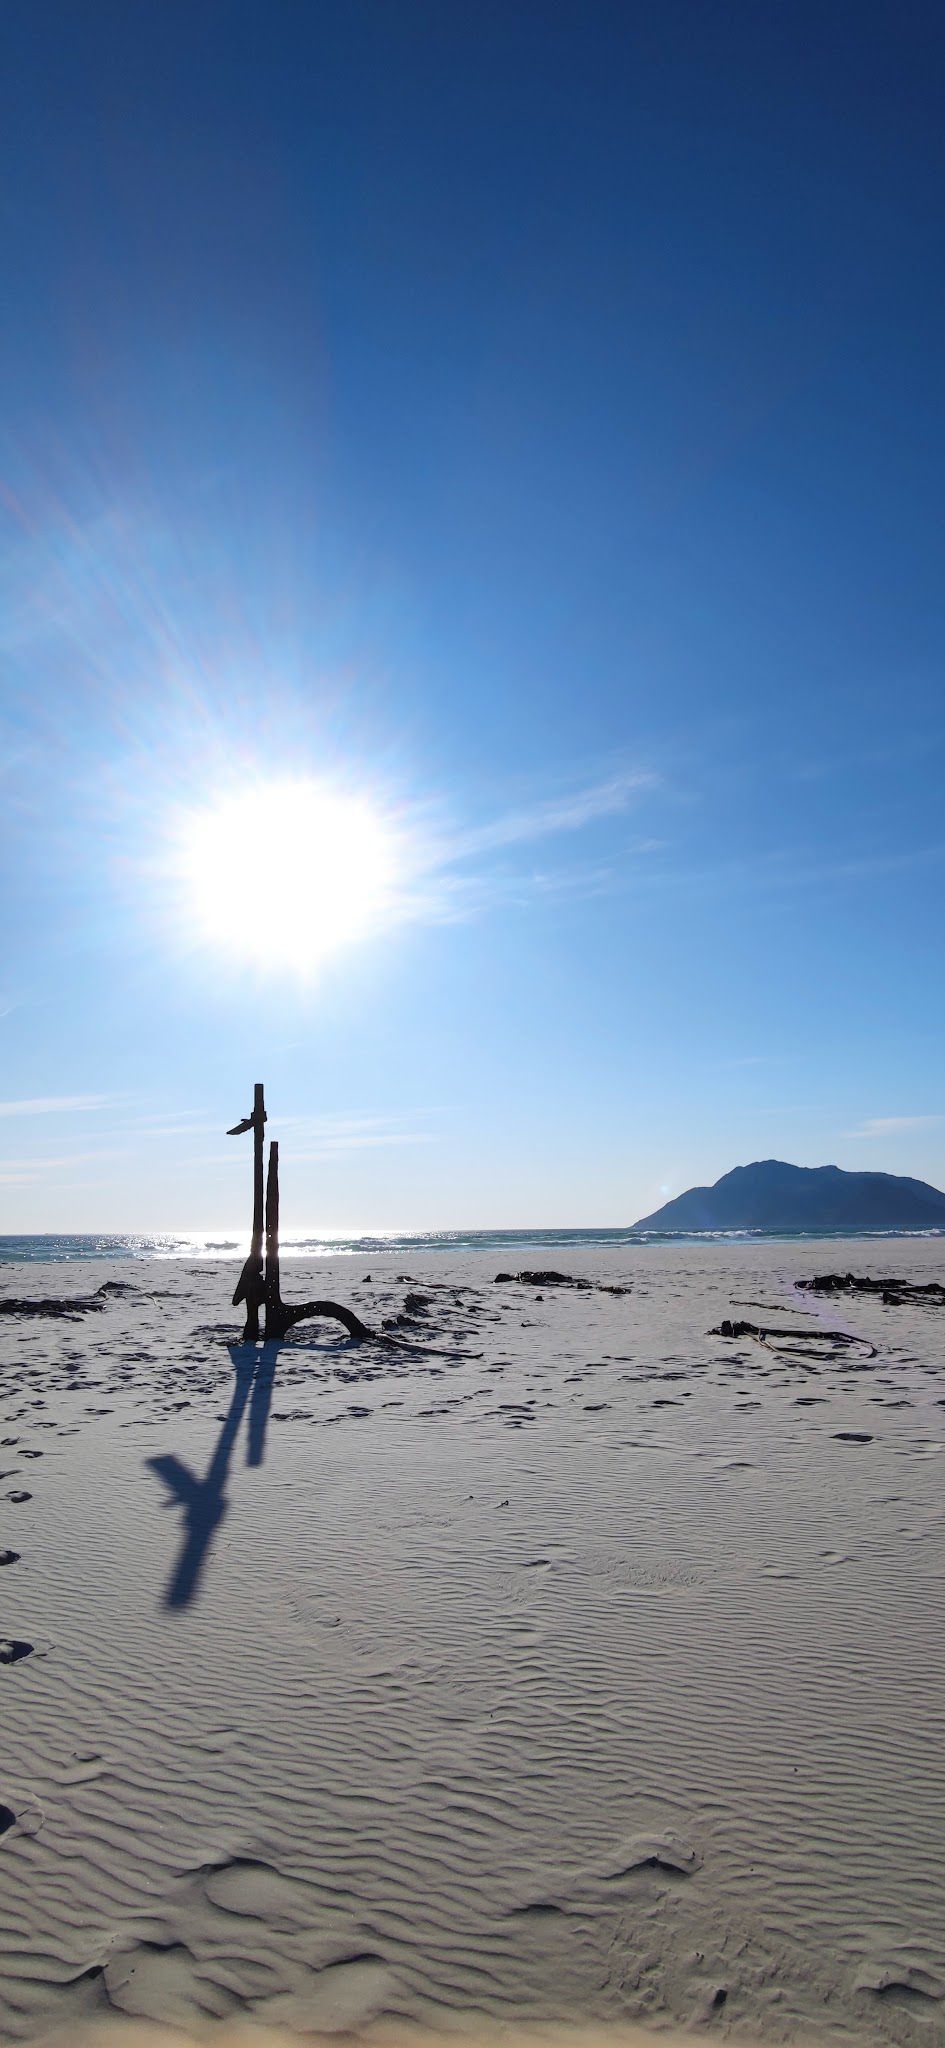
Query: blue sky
x=527, y=422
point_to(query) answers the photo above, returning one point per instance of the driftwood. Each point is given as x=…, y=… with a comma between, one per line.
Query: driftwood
x=768, y=1333
x=251, y=1284
x=552, y=1279
x=333, y=1309
x=259, y=1284
x=280, y=1317
x=80, y=1305
x=893, y=1292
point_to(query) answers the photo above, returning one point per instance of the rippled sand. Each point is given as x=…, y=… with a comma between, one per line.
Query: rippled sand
x=567, y=1664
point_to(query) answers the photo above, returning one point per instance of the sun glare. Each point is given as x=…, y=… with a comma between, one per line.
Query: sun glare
x=285, y=873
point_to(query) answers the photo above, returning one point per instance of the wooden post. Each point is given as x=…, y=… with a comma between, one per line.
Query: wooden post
x=280, y=1317
x=250, y=1287
x=275, y=1314
x=259, y=1118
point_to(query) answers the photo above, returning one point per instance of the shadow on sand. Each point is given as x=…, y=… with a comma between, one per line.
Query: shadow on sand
x=204, y=1500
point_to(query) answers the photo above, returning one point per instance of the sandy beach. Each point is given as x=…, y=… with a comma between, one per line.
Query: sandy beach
x=564, y=1663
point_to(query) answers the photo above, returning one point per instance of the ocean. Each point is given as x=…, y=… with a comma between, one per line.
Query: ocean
x=63, y=1248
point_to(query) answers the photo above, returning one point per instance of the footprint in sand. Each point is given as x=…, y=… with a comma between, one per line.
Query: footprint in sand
x=7, y=1818
x=9, y=1557
x=852, y=1436
x=12, y=1651
x=19, y=1496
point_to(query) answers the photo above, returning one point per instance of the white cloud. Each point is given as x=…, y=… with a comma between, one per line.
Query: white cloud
x=23, y=1172
x=334, y=1137
x=569, y=812
x=892, y=1126
x=454, y=880
x=53, y=1105
x=339, y=1147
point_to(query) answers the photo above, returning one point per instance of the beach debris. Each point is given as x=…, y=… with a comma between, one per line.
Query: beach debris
x=413, y=1311
x=893, y=1293
x=80, y=1305
x=765, y=1333
x=774, y=1308
x=280, y=1316
x=259, y=1284
x=552, y=1279
x=251, y=1286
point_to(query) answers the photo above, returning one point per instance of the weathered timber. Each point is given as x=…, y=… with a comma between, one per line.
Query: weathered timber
x=305, y=1311
x=893, y=1293
x=251, y=1285
x=549, y=1278
x=280, y=1315
x=275, y=1310
x=809, y=1339
x=259, y=1283
x=80, y=1305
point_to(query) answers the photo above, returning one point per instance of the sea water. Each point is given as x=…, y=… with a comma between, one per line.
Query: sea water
x=63, y=1247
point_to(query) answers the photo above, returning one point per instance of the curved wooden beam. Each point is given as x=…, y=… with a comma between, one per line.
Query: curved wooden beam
x=334, y=1309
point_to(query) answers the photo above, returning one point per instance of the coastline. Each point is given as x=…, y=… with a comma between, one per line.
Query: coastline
x=67, y=1248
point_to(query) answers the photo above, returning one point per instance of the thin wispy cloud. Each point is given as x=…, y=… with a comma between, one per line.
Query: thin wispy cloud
x=330, y=1137
x=521, y=888
x=170, y=1119
x=569, y=811
x=193, y=1123
x=335, y=1137
x=341, y=1147
x=455, y=878
x=53, y=1105
x=29, y=1172
x=895, y=1126
x=785, y=870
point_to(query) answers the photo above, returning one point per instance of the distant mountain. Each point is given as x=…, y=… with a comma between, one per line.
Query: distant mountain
x=770, y=1195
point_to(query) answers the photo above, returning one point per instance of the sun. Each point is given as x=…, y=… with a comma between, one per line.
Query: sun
x=285, y=873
